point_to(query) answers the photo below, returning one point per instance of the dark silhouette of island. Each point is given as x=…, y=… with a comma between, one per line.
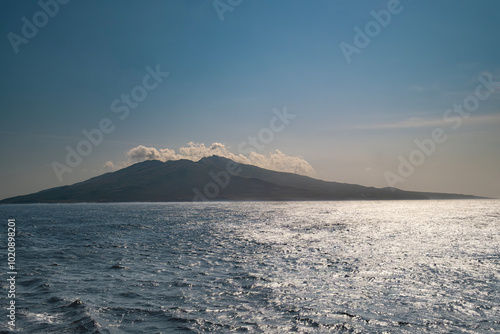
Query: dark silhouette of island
x=211, y=179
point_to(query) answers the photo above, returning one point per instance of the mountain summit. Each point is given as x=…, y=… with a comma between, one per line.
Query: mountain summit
x=212, y=178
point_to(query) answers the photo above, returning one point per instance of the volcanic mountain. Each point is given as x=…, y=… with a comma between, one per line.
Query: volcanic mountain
x=212, y=178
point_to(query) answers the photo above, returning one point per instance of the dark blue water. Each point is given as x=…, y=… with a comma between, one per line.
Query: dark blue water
x=292, y=267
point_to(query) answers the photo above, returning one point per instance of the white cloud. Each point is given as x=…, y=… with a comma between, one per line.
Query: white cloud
x=426, y=123
x=111, y=166
x=276, y=160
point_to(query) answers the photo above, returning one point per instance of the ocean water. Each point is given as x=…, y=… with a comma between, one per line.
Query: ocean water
x=256, y=267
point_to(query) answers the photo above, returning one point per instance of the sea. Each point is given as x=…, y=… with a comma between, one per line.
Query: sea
x=254, y=267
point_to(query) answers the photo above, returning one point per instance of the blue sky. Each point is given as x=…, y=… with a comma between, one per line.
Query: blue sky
x=353, y=119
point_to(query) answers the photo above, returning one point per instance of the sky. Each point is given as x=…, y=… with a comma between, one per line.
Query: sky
x=393, y=93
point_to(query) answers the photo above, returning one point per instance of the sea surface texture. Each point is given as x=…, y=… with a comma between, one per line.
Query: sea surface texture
x=256, y=267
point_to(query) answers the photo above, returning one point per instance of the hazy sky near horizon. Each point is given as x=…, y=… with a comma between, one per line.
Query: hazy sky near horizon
x=363, y=92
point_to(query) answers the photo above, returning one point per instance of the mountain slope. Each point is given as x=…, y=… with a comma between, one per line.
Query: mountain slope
x=209, y=179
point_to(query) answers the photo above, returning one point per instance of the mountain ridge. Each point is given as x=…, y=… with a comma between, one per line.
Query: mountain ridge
x=211, y=178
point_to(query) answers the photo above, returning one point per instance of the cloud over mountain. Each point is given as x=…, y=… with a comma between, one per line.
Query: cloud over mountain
x=275, y=160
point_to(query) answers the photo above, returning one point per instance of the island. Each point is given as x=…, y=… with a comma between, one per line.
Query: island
x=213, y=179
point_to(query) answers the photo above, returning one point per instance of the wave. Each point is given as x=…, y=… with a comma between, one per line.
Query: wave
x=62, y=316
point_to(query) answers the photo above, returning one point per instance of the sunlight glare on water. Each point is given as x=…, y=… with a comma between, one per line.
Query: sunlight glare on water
x=263, y=267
